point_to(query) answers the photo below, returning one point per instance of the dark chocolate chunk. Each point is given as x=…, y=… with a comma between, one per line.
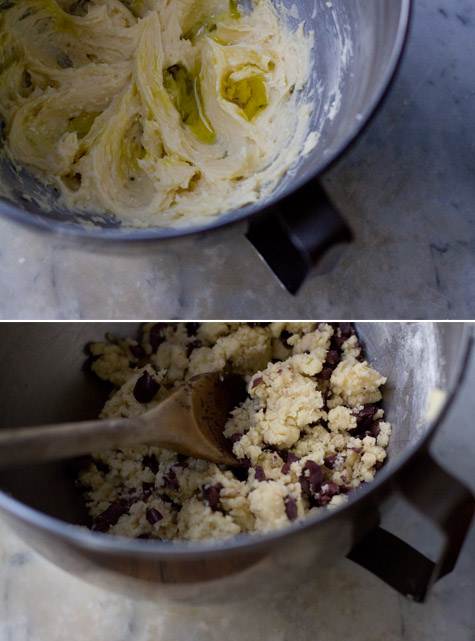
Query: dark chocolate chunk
x=333, y=358
x=373, y=430
x=192, y=328
x=368, y=410
x=343, y=331
x=211, y=495
x=150, y=462
x=291, y=458
x=337, y=339
x=259, y=474
x=245, y=462
x=145, y=388
x=346, y=329
x=364, y=419
x=153, y=516
x=330, y=460
x=330, y=488
x=291, y=508
x=192, y=346
x=325, y=374
x=284, y=335
x=257, y=381
x=272, y=448
x=137, y=351
x=337, y=342
x=176, y=506
x=311, y=479
x=111, y=515
x=170, y=480
x=180, y=464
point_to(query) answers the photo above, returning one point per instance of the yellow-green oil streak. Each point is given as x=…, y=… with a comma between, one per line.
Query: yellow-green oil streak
x=249, y=94
x=184, y=88
x=82, y=123
x=234, y=9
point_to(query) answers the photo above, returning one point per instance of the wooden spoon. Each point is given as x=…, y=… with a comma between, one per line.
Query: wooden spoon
x=190, y=421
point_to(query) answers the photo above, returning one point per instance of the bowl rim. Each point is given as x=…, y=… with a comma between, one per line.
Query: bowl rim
x=142, y=235
x=103, y=543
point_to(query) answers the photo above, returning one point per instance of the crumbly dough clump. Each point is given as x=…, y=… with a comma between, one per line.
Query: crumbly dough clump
x=308, y=434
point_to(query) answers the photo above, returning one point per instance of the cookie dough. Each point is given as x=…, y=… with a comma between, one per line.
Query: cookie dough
x=309, y=433
x=161, y=112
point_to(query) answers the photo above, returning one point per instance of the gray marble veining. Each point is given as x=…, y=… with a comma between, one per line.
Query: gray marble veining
x=39, y=602
x=407, y=186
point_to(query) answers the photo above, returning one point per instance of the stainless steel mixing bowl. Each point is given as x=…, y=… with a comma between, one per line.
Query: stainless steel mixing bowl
x=42, y=379
x=357, y=47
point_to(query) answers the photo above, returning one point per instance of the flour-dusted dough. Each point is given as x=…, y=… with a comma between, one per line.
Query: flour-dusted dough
x=162, y=112
x=308, y=433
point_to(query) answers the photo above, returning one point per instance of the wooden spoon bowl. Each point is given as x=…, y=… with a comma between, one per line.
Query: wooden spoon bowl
x=189, y=421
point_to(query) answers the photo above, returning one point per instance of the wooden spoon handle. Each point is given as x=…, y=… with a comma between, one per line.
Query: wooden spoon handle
x=64, y=440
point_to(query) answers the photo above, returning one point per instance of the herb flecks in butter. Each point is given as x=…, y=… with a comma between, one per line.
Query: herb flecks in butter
x=44, y=13
x=134, y=6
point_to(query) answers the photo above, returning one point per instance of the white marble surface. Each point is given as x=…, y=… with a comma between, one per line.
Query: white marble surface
x=39, y=602
x=407, y=187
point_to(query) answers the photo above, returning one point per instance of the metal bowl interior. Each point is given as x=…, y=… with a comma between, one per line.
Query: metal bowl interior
x=43, y=379
x=357, y=47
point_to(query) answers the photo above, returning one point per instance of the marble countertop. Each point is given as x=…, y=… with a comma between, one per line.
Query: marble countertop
x=407, y=186
x=39, y=602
